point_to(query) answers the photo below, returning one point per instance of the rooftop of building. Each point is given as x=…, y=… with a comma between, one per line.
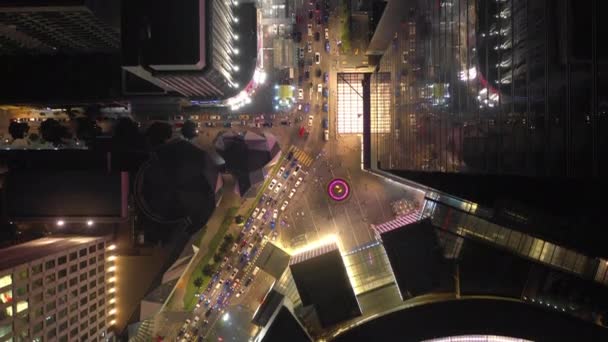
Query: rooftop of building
x=321, y=280
x=42, y=194
x=165, y=33
x=474, y=316
x=285, y=327
x=36, y=249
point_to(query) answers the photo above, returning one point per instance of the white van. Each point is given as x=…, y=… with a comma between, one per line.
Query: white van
x=255, y=271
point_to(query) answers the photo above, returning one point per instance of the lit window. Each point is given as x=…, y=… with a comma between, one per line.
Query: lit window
x=6, y=297
x=6, y=280
x=21, y=305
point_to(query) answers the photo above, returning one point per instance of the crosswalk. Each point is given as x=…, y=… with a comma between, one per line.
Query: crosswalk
x=303, y=157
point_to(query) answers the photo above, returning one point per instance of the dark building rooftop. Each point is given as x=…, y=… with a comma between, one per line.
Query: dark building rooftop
x=246, y=154
x=65, y=195
x=285, y=327
x=269, y=306
x=416, y=259
x=179, y=182
x=321, y=280
x=475, y=317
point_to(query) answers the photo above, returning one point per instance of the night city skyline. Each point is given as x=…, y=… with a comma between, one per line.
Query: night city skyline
x=303, y=170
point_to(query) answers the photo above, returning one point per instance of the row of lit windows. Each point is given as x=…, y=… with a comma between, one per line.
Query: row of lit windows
x=522, y=244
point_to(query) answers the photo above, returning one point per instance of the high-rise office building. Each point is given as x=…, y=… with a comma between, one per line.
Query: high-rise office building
x=35, y=27
x=184, y=47
x=499, y=103
x=58, y=288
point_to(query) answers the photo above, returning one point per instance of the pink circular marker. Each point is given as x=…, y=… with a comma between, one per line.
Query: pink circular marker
x=338, y=189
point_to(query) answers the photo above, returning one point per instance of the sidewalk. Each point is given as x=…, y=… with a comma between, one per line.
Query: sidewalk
x=229, y=200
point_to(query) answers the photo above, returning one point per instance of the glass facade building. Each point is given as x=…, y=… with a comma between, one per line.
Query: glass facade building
x=494, y=87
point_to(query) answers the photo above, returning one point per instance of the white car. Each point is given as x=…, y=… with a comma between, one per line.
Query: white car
x=272, y=184
x=317, y=58
x=234, y=247
x=278, y=188
x=309, y=47
x=320, y=87
x=293, y=192
x=262, y=213
x=253, y=229
x=298, y=182
x=296, y=170
x=326, y=33
x=309, y=30
x=275, y=214
x=284, y=205
x=281, y=171
x=300, y=94
x=310, y=120
x=255, y=212
x=215, y=117
x=326, y=135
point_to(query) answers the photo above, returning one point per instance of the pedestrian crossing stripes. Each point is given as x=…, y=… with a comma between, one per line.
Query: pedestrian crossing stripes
x=302, y=157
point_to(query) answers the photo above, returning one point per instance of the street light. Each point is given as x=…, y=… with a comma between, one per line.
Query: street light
x=60, y=223
x=89, y=223
x=226, y=317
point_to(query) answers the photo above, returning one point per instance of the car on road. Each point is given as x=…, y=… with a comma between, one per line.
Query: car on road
x=317, y=36
x=256, y=211
x=275, y=213
x=209, y=124
x=272, y=184
x=325, y=107
x=215, y=117
x=306, y=107
x=317, y=58
x=260, y=215
x=326, y=135
x=318, y=73
x=300, y=94
x=298, y=182
x=309, y=47
x=278, y=188
x=307, y=76
x=326, y=77
x=281, y=170
x=309, y=26
x=227, y=124
x=293, y=192
x=326, y=33
x=310, y=118
x=178, y=118
x=301, y=53
x=320, y=88
x=310, y=14
x=327, y=46
x=325, y=92
x=325, y=123
x=284, y=205
x=296, y=170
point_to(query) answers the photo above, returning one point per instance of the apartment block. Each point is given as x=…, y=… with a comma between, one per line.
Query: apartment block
x=58, y=288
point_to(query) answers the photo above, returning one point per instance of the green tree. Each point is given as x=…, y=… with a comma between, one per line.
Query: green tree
x=217, y=257
x=189, y=130
x=53, y=132
x=228, y=238
x=18, y=130
x=198, y=282
x=208, y=270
